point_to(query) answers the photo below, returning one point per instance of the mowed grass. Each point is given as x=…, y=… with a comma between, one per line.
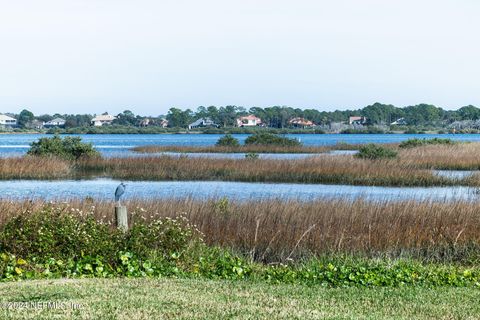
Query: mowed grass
x=206, y=299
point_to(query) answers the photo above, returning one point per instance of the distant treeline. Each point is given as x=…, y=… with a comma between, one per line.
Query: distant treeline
x=273, y=117
x=377, y=114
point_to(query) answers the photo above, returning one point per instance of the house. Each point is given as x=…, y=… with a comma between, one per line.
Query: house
x=54, y=123
x=145, y=122
x=202, y=123
x=102, y=119
x=249, y=121
x=7, y=121
x=35, y=124
x=300, y=122
x=357, y=120
x=163, y=123
x=399, y=122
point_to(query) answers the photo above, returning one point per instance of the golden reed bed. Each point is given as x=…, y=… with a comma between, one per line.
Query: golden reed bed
x=413, y=167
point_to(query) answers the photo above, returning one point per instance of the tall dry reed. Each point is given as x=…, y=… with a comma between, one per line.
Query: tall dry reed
x=320, y=169
x=35, y=168
x=461, y=156
x=274, y=230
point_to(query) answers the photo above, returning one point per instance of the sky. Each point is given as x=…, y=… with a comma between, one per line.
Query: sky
x=91, y=56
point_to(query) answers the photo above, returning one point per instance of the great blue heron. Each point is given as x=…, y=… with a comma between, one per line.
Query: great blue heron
x=119, y=192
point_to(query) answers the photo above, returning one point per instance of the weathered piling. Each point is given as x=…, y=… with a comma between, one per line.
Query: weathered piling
x=121, y=217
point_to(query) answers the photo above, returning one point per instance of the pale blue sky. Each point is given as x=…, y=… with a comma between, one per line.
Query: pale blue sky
x=104, y=55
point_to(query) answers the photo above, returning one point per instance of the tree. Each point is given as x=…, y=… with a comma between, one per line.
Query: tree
x=24, y=118
x=78, y=120
x=422, y=114
x=379, y=113
x=212, y=112
x=178, y=118
x=469, y=113
x=45, y=117
x=126, y=118
x=202, y=112
x=227, y=115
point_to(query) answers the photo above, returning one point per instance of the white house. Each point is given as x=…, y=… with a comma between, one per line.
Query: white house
x=7, y=121
x=163, y=123
x=201, y=123
x=102, y=119
x=57, y=122
x=399, y=122
x=249, y=121
x=357, y=120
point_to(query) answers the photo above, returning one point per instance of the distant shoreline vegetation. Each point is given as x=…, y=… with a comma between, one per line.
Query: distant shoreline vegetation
x=159, y=130
x=373, y=119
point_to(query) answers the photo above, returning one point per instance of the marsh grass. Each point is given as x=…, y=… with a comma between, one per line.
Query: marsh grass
x=324, y=169
x=235, y=149
x=412, y=167
x=327, y=169
x=250, y=148
x=31, y=167
x=276, y=230
x=461, y=156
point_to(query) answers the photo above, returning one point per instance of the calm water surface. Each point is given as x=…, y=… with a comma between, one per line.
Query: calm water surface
x=119, y=144
x=104, y=189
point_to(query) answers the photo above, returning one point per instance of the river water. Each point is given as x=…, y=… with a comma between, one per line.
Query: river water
x=119, y=145
x=104, y=189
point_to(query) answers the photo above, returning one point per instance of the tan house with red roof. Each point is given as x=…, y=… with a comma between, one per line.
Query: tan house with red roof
x=249, y=121
x=300, y=122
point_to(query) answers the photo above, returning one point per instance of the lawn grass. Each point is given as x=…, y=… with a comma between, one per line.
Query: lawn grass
x=207, y=299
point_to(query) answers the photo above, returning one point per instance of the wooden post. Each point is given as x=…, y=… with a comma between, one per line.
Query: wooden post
x=121, y=217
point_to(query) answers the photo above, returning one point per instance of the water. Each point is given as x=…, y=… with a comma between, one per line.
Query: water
x=104, y=189
x=119, y=144
x=342, y=152
x=454, y=174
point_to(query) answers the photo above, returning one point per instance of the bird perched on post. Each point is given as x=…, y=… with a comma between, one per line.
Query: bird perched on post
x=119, y=192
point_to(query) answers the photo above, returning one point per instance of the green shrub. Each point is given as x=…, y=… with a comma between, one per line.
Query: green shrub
x=251, y=155
x=264, y=138
x=412, y=143
x=55, y=232
x=373, y=151
x=164, y=238
x=228, y=141
x=62, y=233
x=70, y=148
